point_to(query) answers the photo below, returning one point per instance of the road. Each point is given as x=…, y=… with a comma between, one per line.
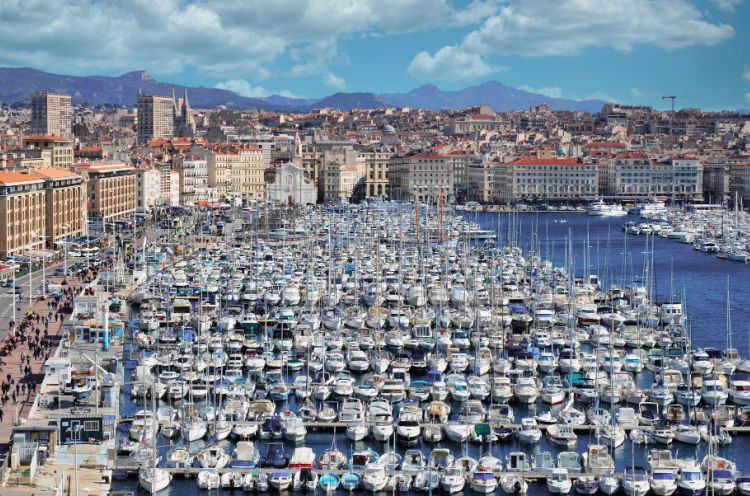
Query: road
x=6, y=299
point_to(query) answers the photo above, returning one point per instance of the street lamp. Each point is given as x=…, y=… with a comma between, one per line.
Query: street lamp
x=44, y=265
x=31, y=279
x=65, y=251
x=13, y=269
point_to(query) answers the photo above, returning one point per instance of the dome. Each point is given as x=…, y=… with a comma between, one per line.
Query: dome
x=388, y=129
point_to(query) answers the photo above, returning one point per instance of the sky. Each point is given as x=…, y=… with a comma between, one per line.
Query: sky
x=628, y=51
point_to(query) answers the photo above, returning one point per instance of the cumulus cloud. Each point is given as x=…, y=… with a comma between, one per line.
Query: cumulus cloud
x=450, y=64
x=746, y=75
x=727, y=5
x=334, y=81
x=245, y=88
x=551, y=91
x=475, y=12
x=209, y=36
x=566, y=27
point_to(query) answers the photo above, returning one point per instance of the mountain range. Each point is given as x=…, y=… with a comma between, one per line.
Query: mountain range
x=17, y=84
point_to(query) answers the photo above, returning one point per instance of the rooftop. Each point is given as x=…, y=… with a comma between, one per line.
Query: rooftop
x=16, y=177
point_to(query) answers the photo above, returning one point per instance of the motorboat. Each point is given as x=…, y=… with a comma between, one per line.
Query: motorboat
x=482, y=481
x=558, y=482
x=209, y=479
x=529, y=432
x=562, y=435
x=691, y=481
x=635, y=481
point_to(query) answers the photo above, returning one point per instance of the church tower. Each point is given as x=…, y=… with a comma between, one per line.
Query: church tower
x=297, y=155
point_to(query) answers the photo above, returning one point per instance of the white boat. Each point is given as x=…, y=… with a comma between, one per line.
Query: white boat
x=691, y=481
x=374, y=478
x=453, y=479
x=153, y=480
x=562, y=435
x=482, y=481
x=280, y=480
x=529, y=432
x=209, y=479
x=513, y=483
x=558, y=482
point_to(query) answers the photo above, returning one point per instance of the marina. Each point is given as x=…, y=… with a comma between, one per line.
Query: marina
x=363, y=349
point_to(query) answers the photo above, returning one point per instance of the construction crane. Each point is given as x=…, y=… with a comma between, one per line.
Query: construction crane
x=670, y=98
x=671, y=116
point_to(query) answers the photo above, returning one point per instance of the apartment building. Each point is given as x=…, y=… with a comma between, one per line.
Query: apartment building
x=548, y=179
x=64, y=208
x=246, y=174
x=342, y=171
x=636, y=174
x=422, y=177
x=481, y=181
x=192, y=172
x=377, y=164
x=51, y=114
x=155, y=118
x=61, y=149
x=716, y=180
x=23, y=211
x=111, y=190
x=147, y=187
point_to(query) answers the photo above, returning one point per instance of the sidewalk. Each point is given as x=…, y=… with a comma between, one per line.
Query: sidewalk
x=11, y=363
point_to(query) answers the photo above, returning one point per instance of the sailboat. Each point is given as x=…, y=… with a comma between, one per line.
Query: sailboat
x=153, y=479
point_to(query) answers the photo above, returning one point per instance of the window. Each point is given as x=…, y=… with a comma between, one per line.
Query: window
x=91, y=425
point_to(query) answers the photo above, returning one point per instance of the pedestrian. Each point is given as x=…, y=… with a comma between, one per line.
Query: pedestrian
x=23, y=388
x=20, y=366
x=18, y=386
x=13, y=397
x=1, y=415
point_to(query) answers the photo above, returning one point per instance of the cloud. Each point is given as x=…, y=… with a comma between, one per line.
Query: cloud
x=727, y=5
x=476, y=12
x=600, y=95
x=205, y=36
x=643, y=94
x=334, y=81
x=450, y=64
x=567, y=27
x=746, y=75
x=551, y=91
x=244, y=88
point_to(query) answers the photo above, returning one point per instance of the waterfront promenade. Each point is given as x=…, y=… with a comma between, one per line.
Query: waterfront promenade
x=11, y=365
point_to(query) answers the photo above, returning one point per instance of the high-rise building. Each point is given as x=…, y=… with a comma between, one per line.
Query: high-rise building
x=155, y=118
x=51, y=114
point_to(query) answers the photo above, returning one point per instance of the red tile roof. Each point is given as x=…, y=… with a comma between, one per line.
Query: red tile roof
x=40, y=137
x=7, y=177
x=52, y=173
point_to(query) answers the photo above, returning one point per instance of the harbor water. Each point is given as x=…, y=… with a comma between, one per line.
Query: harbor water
x=598, y=246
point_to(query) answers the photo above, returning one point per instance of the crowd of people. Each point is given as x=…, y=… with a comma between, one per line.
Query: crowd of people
x=29, y=339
